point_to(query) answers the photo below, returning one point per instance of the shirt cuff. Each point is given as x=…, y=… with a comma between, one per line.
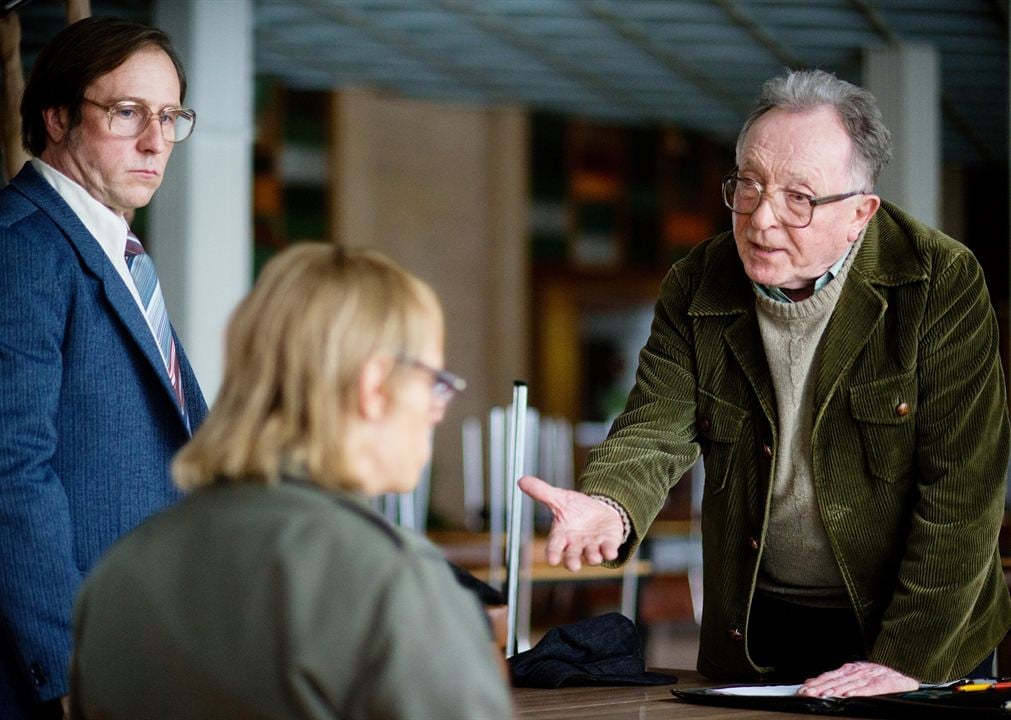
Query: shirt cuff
x=626, y=524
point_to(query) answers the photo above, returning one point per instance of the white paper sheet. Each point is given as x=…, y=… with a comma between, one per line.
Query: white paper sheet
x=759, y=690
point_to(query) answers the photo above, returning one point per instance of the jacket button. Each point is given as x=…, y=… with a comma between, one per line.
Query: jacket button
x=902, y=409
x=767, y=451
x=753, y=543
x=736, y=635
x=705, y=424
x=38, y=676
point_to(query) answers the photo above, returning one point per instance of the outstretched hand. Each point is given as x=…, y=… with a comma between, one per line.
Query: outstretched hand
x=583, y=529
x=858, y=678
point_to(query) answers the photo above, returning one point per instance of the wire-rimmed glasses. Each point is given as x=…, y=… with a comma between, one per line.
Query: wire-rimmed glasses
x=445, y=385
x=129, y=119
x=792, y=208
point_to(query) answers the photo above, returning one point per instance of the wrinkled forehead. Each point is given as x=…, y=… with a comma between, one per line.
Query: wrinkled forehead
x=797, y=147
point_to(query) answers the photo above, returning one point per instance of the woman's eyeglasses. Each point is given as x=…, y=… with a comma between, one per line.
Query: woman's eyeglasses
x=445, y=385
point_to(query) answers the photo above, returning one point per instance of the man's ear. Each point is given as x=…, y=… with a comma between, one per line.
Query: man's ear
x=863, y=214
x=57, y=120
x=372, y=390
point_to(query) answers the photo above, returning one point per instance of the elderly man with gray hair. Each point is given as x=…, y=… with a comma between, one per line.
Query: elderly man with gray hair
x=836, y=364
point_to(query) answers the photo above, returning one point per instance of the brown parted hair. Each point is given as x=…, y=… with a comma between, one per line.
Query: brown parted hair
x=73, y=59
x=295, y=347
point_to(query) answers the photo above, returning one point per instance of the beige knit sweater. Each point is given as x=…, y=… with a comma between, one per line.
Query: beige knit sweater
x=798, y=561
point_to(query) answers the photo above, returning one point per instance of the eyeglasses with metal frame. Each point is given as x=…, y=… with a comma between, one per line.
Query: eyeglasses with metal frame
x=793, y=208
x=129, y=119
x=445, y=385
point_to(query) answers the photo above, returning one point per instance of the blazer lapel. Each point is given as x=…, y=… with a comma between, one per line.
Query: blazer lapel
x=745, y=342
x=35, y=188
x=858, y=311
x=885, y=258
x=725, y=290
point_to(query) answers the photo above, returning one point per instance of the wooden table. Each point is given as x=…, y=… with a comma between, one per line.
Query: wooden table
x=653, y=702
x=469, y=550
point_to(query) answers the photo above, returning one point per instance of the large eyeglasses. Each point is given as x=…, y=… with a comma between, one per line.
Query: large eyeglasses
x=129, y=119
x=793, y=209
x=445, y=385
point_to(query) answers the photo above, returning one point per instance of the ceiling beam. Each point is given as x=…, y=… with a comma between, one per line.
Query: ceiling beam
x=875, y=20
x=949, y=110
x=632, y=31
x=477, y=15
x=761, y=34
x=403, y=43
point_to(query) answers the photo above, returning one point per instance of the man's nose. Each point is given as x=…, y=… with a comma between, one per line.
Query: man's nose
x=151, y=138
x=764, y=215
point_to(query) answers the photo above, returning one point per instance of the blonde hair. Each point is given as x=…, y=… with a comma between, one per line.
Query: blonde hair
x=295, y=348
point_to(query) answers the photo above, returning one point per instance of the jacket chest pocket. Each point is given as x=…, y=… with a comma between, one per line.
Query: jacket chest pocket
x=885, y=411
x=718, y=426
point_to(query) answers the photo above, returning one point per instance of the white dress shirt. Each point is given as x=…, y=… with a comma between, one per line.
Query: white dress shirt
x=107, y=227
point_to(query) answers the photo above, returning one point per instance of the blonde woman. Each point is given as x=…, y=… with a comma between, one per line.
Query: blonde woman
x=273, y=590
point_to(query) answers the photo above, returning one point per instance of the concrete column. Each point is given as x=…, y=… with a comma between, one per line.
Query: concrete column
x=441, y=188
x=905, y=79
x=201, y=219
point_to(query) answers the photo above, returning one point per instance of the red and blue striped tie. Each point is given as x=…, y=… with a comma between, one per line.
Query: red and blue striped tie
x=146, y=279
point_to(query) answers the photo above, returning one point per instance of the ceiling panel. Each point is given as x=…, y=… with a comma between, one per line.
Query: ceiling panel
x=695, y=63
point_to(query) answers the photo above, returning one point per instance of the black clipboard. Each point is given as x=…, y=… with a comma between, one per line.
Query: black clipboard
x=936, y=703
x=777, y=703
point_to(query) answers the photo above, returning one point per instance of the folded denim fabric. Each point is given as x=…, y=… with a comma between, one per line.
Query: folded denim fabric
x=603, y=650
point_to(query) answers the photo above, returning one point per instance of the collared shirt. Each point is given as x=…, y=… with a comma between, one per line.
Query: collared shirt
x=774, y=293
x=107, y=227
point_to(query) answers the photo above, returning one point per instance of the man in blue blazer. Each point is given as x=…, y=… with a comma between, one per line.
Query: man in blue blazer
x=96, y=393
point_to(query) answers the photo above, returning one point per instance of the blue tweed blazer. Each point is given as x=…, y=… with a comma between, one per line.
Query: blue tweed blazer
x=88, y=427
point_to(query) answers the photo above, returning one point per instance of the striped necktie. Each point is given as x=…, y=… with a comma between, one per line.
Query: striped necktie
x=146, y=280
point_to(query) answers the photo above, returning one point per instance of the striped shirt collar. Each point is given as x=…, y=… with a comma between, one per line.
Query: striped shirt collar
x=774, y=293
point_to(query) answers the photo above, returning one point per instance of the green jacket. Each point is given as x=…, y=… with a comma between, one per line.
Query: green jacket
x=286, y=601
x=910, y=445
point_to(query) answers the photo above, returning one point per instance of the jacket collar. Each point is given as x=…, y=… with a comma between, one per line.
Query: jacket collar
x=887, y=258
x=29, y=183
x=724, y=288
x=34, y=187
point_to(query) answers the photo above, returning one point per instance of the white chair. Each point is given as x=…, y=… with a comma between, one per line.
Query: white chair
x=549, y=454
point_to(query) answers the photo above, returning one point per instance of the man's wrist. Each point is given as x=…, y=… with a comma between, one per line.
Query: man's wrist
x=626, y=523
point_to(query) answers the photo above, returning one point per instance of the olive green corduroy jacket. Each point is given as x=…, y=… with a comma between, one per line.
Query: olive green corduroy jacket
x=910, y=445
